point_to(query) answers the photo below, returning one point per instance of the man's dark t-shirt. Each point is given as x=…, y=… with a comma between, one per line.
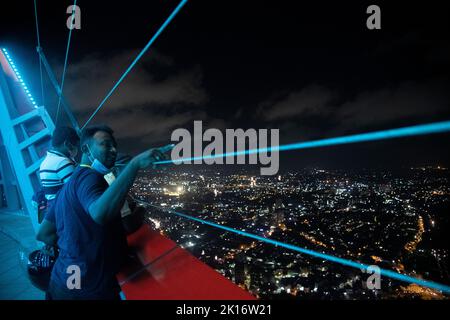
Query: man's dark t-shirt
x=82, y=242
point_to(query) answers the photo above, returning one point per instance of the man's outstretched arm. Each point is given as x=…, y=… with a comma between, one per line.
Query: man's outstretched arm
x=108, y=205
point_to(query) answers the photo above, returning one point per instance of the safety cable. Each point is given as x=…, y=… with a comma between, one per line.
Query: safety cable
x=39, y=46
x=164, y=25
x=65, y=61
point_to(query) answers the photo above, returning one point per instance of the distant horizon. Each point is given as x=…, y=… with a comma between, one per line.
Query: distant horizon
x=254, y=170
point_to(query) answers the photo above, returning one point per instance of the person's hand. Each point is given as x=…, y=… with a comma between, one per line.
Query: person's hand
x=149, y=157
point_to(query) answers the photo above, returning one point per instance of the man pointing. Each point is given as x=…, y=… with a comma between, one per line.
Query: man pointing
x=86, y=216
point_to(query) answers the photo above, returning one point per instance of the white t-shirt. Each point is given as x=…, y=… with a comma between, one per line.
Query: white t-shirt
x=54, y=172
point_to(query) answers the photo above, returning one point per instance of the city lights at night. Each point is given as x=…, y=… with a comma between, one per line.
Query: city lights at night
x=234, y=157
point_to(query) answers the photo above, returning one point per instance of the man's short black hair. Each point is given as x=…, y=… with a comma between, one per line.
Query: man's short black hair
x=89, y=132
x=62, y=134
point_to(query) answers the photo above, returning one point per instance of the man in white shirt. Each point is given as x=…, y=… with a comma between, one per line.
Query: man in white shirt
x=59, y=164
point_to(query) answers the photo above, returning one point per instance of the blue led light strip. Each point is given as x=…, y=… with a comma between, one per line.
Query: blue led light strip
x=423, y=129
x=22, y=83
x=168, y=20
x=345, y=262
x=65, y=63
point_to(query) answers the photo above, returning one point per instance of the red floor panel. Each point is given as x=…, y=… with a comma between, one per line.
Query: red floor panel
x=178, y=275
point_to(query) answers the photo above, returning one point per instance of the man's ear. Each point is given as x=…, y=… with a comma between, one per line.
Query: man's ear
x=68, y=145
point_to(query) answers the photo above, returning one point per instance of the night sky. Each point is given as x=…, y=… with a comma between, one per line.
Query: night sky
x=311, y=70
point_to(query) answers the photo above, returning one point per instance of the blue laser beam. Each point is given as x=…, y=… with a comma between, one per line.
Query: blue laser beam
x=164, y=25
x=39, y=45
x=342, y=261
x=65, y=61
x=417, y=130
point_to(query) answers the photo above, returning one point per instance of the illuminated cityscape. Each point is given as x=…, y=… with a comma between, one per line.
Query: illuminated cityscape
x=258, y=100
x=396, y=221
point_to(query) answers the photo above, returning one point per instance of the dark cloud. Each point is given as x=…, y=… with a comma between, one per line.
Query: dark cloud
x=318, y=110
x=139, y=123
x=311, y=100
x=89, y=80
x=409, y=100
x=154, y=99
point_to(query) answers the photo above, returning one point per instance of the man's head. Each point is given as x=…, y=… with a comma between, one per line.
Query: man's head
x=66, y=141
x=97, y=142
